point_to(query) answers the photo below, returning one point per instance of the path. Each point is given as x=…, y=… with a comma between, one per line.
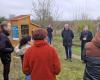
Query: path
x=76, y=57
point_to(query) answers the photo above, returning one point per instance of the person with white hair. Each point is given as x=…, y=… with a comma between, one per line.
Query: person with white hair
x=67, y=35
x=86, y=36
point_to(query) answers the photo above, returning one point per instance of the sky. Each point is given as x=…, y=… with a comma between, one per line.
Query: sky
x=67, y=8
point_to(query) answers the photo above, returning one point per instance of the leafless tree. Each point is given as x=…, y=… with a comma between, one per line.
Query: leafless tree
x=45, y=11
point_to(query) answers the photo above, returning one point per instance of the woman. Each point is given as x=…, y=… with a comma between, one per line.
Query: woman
x=22, y=47
x=6, y=49
x=91, y=57
x=41, y=60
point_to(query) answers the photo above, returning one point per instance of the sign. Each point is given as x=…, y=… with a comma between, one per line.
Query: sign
x=15, y=33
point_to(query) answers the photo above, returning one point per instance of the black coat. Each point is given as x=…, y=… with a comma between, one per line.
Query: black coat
x=5, y=45
x=49, y=30
x=92, y=68
x=67, y=36
x=88, y=36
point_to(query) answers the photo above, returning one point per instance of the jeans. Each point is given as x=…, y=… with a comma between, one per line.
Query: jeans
x=49, y=40
x=68, y=52
x=27, y=77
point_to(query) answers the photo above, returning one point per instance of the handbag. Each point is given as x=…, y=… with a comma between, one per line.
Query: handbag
x=21, y=51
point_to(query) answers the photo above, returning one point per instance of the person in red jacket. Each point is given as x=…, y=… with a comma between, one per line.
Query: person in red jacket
x=91, y=57
x=41, y=60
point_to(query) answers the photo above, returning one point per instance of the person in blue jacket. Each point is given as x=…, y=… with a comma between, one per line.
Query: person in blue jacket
x=67, y=35
x=49, y=30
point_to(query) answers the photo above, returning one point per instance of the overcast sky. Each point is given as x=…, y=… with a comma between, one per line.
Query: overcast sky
x=68, y=8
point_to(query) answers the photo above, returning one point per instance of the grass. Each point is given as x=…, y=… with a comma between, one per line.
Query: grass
x=76, y=50
x=70, y=70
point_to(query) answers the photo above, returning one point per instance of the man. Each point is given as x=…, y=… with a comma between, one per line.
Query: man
x=67, y=35
x=86, y=36
x=49, y=30
x=41, y=61
x=6, y=49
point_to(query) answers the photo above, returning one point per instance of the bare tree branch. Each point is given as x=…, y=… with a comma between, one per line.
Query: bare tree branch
x=44, y=10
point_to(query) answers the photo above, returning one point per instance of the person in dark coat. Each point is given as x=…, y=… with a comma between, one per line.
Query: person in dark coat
x=91, y=56
x=49, y=30
x=67, y=35
x=86, y=36
x=6, y=49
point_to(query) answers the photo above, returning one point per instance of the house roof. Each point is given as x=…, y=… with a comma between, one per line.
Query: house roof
x=35, y=24
x=19, y=17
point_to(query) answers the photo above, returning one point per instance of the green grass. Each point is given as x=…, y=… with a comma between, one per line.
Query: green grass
x=57, y=41
x=70, y=70
x=76, y=50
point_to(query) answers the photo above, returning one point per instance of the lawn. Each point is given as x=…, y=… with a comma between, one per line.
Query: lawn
x=70, y=70
x=76, y=50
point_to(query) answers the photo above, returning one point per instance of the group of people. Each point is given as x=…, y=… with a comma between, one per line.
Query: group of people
x=68, y=35
x=40, y=60
x=90, y=50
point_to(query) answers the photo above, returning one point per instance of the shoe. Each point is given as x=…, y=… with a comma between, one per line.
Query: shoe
x=70, y=60
x=66, y=59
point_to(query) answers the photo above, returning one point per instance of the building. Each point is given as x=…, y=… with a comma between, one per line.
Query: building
x=21, y=26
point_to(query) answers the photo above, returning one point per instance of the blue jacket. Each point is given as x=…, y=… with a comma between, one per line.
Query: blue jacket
x=67, y=36
x=49, y=30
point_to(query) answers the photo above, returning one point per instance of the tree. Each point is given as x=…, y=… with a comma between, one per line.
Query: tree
x=2, y=19
x=44, y=11
x=82, y=18
x=82, y=23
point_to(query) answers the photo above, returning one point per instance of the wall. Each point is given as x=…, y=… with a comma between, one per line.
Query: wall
x=24, y=21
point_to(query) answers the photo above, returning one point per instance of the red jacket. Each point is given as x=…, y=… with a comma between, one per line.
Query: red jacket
x=93, y=47
x=41, y=61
